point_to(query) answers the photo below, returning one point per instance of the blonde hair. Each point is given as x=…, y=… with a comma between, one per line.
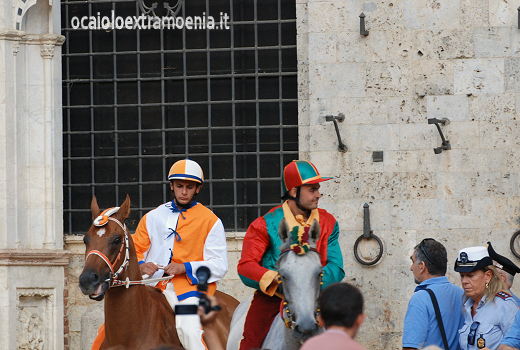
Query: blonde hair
x=495, y=284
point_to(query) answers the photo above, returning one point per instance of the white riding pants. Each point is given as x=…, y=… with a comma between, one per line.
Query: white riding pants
x=189, y=328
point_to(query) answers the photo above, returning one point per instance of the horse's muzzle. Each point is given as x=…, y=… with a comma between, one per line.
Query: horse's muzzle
x=93, y=285
x=304, y=333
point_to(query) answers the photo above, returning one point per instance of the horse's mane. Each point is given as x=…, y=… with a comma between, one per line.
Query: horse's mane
x=298, y=240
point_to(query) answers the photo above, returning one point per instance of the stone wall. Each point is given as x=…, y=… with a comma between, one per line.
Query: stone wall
x=455, y=59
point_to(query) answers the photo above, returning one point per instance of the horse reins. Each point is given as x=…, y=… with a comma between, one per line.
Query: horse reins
x=287, y=316
x=113, y=280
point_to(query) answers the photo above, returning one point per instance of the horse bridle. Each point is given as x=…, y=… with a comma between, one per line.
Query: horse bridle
x=99, y=222
x=287, y=316
x=113, y=280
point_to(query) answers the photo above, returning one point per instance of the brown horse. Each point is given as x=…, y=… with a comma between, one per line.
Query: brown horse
x=137, y=316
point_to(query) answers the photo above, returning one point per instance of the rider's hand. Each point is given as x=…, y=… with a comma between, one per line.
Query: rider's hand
x=208, y=319
x=211, y=334
x=274, y=283
x=175, y=269
x=148, y=268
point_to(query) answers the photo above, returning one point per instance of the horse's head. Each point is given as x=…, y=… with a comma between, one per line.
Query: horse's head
x=300, y=271
x=105, y=249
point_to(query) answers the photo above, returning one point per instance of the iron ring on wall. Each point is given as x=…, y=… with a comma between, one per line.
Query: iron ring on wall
x=379, y=256
x=512, y=244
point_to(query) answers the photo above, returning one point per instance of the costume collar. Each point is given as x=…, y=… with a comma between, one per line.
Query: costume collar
x=174, y=208
x=298, y=219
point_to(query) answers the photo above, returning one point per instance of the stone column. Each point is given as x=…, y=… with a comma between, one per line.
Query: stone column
x=32, y=258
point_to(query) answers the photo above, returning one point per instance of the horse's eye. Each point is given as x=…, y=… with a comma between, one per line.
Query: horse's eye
x=117, y=241
x=86, y=239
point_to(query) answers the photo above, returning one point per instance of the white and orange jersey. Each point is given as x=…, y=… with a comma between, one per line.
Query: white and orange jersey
x=194, y=237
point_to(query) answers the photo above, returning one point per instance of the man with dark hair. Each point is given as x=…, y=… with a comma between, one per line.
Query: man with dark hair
x=421, y=326
x=341, y=312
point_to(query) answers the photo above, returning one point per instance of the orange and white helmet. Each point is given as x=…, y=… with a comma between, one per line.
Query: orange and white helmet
x=186, y=169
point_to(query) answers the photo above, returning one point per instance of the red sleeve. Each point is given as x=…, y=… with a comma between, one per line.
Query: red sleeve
x=255, y=244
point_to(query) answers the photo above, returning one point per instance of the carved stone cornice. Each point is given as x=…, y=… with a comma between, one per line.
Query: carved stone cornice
x=38, y=39
x=48, y=41
x=34, y=257
x=12, y=35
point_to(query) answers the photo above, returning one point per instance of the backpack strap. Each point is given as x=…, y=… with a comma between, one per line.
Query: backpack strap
x=439, y=318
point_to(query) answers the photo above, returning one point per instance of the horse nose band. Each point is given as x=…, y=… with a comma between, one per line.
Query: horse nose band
x=101, y=221
x=113, y=280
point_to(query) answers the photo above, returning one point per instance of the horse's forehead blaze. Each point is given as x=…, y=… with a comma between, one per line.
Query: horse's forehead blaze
x=101, y=231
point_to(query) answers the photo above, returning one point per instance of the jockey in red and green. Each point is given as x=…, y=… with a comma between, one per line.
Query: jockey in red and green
x=260, y=251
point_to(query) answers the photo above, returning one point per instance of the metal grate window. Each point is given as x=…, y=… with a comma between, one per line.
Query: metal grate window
x=137, y=100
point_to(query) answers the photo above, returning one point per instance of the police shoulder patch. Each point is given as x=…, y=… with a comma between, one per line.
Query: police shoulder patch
x=503, y=295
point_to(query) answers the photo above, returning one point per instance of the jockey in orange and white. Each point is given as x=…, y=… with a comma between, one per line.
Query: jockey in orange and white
x=176, y=239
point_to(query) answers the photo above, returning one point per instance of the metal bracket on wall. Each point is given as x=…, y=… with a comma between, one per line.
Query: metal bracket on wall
x=367, y=234
x=518, y=9
x=445, y=143
x=341, y=117
x=362, y=29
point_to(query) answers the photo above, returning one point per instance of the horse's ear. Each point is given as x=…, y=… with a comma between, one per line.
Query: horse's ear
x=124, y=209
x=283, y=230
x=94, y=208
x=314, y=232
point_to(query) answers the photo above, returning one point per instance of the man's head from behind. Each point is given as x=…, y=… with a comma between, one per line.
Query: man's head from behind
x=341, y=305
x=429, y=259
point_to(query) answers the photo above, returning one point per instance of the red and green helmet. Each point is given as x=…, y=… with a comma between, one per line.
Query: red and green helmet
x=301, y=172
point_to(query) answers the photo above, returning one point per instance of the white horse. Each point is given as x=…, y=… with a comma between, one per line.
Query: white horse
x=301, y=282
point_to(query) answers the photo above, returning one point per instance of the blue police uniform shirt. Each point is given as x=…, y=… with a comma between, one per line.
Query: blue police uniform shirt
x=420, y=324
x=515, y=298
x=495, y=319
x=512, y=337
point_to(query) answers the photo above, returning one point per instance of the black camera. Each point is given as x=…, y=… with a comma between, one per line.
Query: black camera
x=203, y=274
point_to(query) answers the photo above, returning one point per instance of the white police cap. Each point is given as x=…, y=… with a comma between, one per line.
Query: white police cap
x=472, y=259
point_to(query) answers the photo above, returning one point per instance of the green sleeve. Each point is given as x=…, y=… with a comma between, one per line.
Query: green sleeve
x=333, y=270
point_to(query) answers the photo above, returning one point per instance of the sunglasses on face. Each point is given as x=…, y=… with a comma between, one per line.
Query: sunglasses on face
x=473, y=332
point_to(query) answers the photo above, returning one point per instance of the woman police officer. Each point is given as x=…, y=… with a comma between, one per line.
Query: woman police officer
x=489, y=310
